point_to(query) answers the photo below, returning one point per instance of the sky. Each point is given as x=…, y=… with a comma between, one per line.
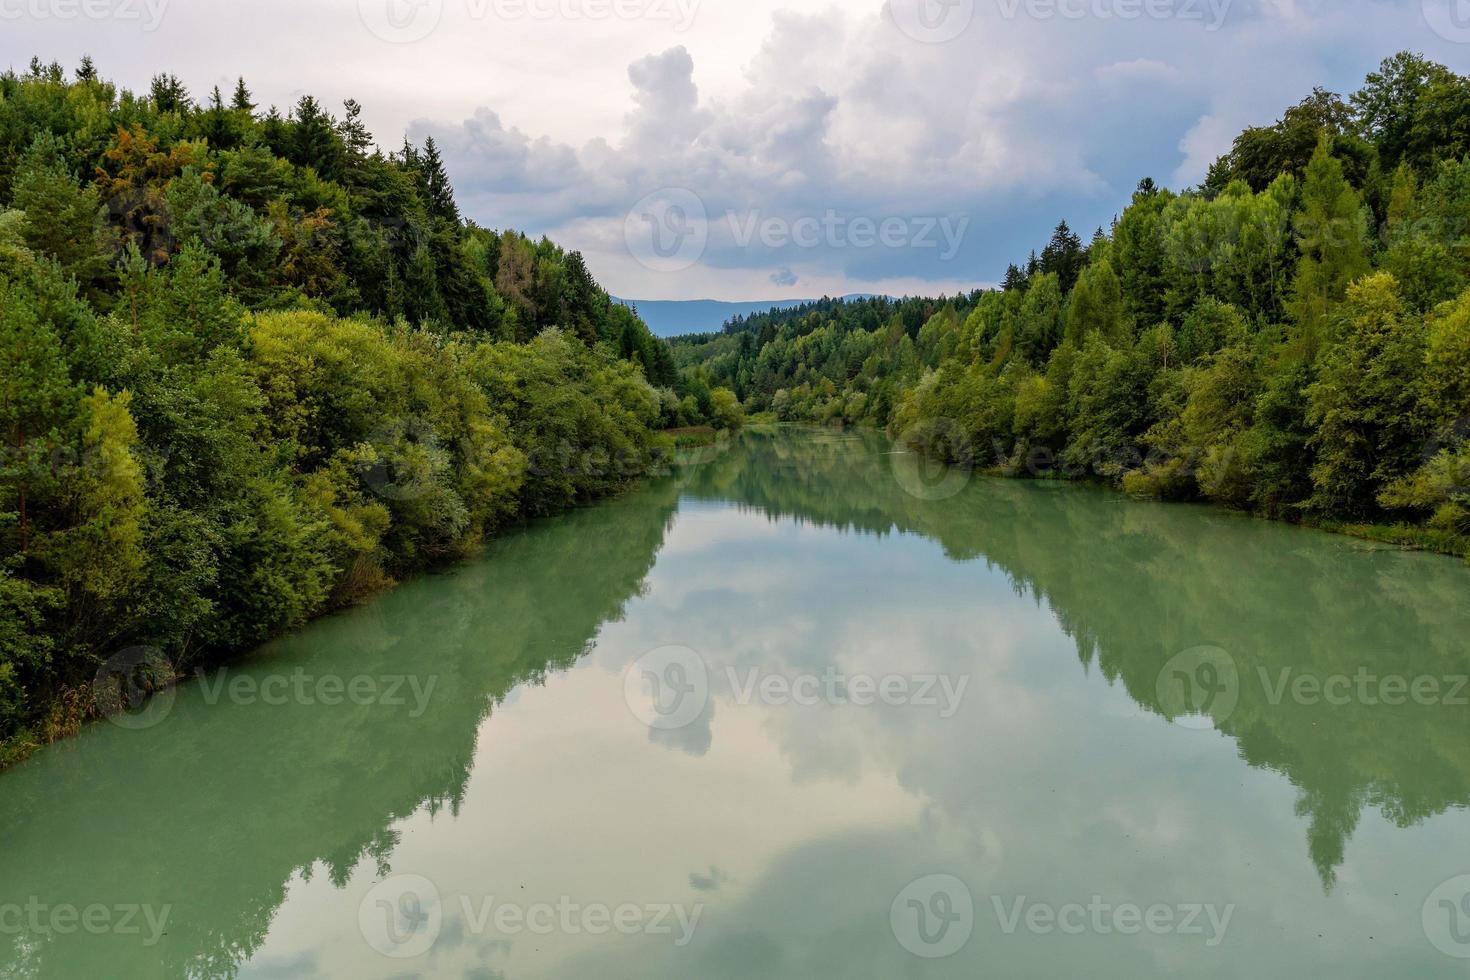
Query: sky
x=762, y=150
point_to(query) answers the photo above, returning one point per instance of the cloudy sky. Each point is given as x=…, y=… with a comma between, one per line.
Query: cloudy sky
x=768, y=149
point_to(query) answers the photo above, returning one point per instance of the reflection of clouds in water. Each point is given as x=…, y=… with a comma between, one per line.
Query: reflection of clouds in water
x=701, y=527
x=693, y=738
x=1048, y=781
x=711, y=881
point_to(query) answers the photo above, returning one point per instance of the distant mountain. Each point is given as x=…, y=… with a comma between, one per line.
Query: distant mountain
x=674, y=317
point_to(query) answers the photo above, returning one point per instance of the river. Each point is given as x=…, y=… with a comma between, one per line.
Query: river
x=798, y=709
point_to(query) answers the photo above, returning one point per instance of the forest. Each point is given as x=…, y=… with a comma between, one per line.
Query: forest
x=1291, y=338
x=255, y=369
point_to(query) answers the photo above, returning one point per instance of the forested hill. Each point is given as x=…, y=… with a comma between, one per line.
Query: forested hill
x=300, y=210
x=252, y=367
x=679, y=318
x=1292, y=337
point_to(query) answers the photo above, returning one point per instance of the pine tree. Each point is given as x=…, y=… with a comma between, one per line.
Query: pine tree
x=87, y=71
x=585, y=300
x=37, y=401
x=355, y=135
x=63, y=220
x=314, y=141
x=242, y=101
x=436, y=181
x=1096, y=306
x=170, y=95
x=1063, y=255
x=1331, y=234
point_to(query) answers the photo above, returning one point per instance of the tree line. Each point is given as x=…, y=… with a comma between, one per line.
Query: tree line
x=253, y=368
x=1292, y=337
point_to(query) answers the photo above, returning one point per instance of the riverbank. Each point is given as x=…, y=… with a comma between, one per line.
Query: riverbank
x=128, y=679
x=1407, y=536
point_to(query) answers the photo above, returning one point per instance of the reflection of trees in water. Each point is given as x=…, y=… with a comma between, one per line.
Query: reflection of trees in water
x=218, y=808
x=1134, y=584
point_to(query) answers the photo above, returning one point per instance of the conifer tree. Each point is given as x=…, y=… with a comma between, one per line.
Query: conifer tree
x=436, y=180
x=242, y=101
x=1331, y=234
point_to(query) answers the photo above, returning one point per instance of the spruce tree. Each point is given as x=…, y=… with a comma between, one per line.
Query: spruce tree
x=355, y=135
x=314, y=140
x=1331, y=234
x=1063, y=255
x=242, y=101
x=170, y=95
x=436, y=180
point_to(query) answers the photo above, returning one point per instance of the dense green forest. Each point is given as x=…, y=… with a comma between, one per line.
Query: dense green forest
x=253, y=368
x=1290, y=338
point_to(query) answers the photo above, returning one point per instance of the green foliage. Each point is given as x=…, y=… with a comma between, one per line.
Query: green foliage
x=1096, y=306
x=1249, y=342
x=252, y=369
x=1332, y=233
x=1365, y=403
x=725, y=410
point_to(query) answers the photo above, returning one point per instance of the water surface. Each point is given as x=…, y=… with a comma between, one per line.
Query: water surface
x=1115, y=718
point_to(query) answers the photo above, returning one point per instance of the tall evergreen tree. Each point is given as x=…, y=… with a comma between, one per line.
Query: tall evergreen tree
x=355, y=135
x=436, y=180
x=314, y=140
x=242, y=100
x=1332, y=236
x=1063, y=255
x=170, y=95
